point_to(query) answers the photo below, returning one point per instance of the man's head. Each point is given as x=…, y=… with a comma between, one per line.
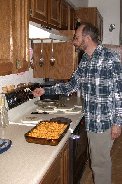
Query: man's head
x=86, y=36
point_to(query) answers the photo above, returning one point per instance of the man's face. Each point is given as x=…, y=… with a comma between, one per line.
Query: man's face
x=79, y=40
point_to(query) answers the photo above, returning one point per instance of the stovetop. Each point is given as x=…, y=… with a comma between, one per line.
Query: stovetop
x=26, y=109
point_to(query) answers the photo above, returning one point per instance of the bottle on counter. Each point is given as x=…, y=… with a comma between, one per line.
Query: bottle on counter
x=3, y=112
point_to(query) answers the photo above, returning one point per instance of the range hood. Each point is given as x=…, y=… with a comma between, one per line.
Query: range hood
x=38, y=32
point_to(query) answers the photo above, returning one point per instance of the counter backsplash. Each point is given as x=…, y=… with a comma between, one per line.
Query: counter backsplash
x=14, y=79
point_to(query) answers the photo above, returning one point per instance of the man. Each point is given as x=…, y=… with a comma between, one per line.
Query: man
x=99, y=76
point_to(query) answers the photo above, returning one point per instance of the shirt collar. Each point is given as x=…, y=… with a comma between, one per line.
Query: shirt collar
x=97, y=52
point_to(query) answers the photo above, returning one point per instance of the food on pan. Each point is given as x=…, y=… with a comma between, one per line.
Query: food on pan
x=48, y=130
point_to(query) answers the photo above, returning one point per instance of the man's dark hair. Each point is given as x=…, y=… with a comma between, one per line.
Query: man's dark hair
x=91, y=30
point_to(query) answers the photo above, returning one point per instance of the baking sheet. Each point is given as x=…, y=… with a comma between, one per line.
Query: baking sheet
x=44, y=141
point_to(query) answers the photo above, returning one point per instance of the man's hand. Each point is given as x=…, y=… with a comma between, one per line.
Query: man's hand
x=38, y=92
x=115, y=131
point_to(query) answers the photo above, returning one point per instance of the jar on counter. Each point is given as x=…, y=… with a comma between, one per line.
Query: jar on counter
x=3, y=112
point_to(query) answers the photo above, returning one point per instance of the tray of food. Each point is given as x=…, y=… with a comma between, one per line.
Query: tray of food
x=47, y=132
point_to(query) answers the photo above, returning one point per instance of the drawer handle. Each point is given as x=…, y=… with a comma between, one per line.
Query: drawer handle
x=74, y=137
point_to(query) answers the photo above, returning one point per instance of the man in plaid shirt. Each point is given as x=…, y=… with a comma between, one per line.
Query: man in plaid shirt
x=99, y=76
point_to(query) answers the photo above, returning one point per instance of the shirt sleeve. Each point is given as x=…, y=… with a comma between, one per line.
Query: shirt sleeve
x=68, y=87
x=117, y=80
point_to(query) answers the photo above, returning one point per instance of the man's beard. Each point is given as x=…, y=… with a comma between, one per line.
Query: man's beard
x=81, y=47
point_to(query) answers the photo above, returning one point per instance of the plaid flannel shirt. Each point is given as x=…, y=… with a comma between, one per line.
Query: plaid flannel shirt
x=100, y=81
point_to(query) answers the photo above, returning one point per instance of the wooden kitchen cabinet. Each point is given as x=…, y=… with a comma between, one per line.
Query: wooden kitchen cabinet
x=13, y=36
x=58, y=173
x=56, y=14
x=39, y=10
x=46, y=12
x=92, y=15
x=65, y=59
x=71, y=21
x=64, y=15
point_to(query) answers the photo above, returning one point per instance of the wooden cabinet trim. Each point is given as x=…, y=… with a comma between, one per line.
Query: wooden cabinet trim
x=6, y=68
x=54, y=13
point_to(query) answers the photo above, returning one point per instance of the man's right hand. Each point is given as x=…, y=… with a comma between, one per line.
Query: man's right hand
x=38, y=92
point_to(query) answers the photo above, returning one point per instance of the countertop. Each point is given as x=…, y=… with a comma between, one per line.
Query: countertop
x=26, y=162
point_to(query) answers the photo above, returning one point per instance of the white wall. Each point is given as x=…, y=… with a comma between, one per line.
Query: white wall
x=15, y=79
x=110, y=10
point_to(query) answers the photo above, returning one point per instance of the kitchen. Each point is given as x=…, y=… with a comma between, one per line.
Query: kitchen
x=21, y=76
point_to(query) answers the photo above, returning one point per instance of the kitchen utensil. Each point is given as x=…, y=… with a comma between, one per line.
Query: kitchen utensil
x=3, y=112
x=45, y=104
x=52, y=60
x=41, y=61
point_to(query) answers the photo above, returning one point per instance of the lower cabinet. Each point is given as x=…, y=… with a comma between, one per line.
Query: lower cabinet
x=58, y=173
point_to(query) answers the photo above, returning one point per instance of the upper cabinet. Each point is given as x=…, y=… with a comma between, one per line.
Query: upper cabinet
x=54, y=13
x=57, y=14
x=64, y=15
x=38, y=10
x=46, y=12
x=71, y=18
x=13, y=36
x=91, y=15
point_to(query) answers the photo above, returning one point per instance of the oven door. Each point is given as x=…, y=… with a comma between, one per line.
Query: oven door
x=78, y=152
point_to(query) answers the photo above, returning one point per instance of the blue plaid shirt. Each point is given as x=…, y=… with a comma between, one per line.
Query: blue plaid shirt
x=100, y=80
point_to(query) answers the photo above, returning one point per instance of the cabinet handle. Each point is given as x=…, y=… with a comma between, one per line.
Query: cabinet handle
x=30, y=12
x=18, y=64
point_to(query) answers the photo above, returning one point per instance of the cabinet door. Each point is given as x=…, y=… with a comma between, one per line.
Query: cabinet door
x=20, y=36
x=58, y=173
x=65, y=61
x=92, y=16
x=54, y=13
x=13, y=36
x=72, y=18
x=54, y=174
x=64, y=15
x=6, y=42
x=39, y=10
x=86, y=15
x=65, y=163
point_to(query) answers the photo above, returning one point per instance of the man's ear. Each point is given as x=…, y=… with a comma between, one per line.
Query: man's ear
x=87, y=38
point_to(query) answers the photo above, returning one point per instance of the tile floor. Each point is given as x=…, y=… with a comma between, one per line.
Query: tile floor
x=116, y=165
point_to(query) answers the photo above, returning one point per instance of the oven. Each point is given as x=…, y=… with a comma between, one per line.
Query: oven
x=78, y=152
